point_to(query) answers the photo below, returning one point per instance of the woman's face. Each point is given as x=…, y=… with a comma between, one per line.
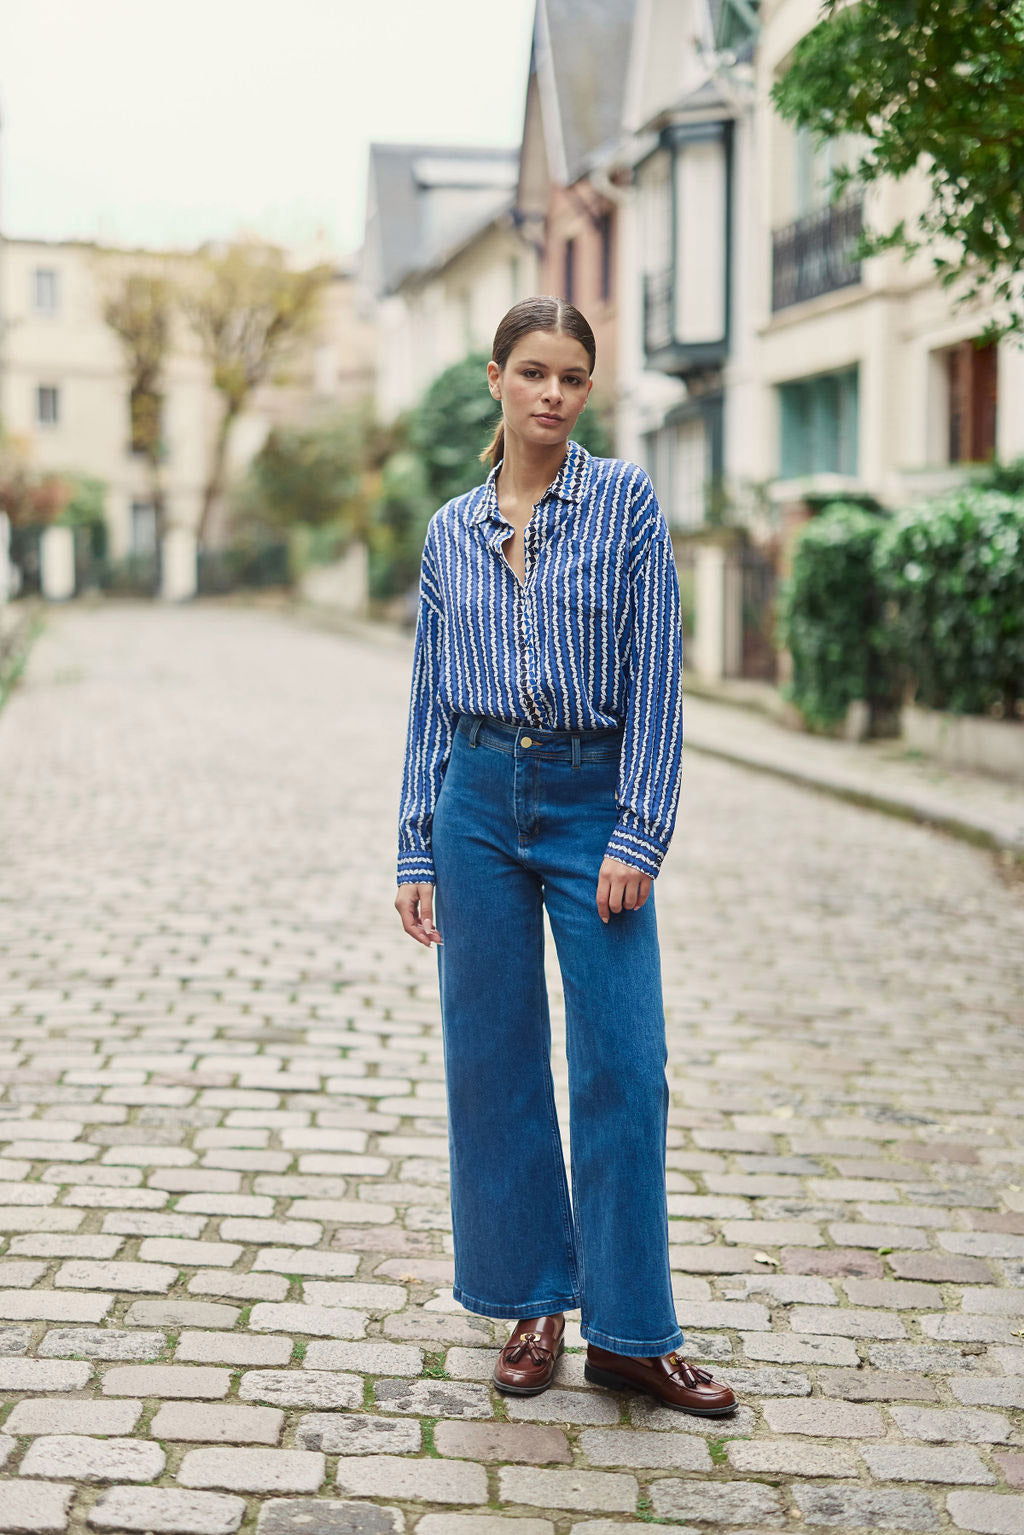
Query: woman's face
x=542, y=387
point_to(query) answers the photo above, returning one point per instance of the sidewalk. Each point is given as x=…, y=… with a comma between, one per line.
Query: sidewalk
x=882, y=775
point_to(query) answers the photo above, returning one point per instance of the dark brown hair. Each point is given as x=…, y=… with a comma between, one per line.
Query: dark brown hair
x=553, y=315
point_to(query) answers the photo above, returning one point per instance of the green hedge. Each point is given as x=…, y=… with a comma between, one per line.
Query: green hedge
x=926, y=604
x=830, y=617
x=952, y=575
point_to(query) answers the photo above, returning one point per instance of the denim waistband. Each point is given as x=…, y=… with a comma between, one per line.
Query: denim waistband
x=573, y=746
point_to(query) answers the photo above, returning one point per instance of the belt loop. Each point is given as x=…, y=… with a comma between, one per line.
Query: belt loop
x=575, y=751
x=474, y=730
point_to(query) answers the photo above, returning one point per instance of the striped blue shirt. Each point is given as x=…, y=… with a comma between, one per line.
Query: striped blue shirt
x=592, y=639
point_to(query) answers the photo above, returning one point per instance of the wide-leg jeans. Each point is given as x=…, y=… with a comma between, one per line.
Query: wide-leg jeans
x=521, y=824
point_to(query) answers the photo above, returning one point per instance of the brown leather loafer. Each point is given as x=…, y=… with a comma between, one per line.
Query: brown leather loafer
x=669, y=1378
x=527, y=1361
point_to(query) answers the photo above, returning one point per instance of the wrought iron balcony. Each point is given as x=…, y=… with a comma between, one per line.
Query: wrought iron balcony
x=816, y=254
x=664, y=348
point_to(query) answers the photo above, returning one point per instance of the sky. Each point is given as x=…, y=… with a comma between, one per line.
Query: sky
x=164, y=123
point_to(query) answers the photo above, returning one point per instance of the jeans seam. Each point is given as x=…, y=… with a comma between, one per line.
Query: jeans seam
x=547, y=1307
x=653, y=1346
x=568, y=1225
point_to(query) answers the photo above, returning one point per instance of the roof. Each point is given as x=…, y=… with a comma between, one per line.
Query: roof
x=426, y=199
x=581, y=50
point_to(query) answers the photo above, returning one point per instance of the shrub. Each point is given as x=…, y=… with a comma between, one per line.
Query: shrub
x=952, y=572
x=830, y=617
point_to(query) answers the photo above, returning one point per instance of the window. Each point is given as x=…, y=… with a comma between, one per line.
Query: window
x=47, y=405
x=819, y=425
x=815, y=166
x=971, y=372
x=569, y=279
x=143, y=528
x=604, y=231
x=678, y=458
x=44, y=290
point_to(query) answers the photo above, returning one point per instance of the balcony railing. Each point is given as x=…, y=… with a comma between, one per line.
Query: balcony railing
x=816, y=255
x=659, y=303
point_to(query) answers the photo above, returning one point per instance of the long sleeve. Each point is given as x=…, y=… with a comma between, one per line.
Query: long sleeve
x=428, y=735
x=650, y=761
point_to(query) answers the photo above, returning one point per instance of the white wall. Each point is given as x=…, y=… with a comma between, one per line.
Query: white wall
x=434, y=320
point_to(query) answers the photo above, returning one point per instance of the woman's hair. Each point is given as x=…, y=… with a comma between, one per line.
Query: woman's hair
x=543, y=313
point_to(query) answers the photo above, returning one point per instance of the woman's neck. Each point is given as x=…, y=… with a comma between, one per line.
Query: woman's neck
x=527, y=469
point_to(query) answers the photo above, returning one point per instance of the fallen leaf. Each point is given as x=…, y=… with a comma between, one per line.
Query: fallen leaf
x=784, y=1111
x=764, y=1258
x=881, y=1251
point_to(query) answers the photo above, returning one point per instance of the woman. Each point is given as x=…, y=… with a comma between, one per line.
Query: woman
x=542, y=771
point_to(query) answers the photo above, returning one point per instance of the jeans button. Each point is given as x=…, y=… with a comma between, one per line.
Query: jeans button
x=526, y=741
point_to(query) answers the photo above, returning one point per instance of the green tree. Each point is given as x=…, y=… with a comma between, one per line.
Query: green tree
x=935, y=85
x=312, y=475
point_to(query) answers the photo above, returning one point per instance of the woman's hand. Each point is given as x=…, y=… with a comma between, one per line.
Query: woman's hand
x=415, y=906
x=621, y=887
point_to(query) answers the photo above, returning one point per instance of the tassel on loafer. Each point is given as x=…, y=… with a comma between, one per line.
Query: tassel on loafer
x=675, y=1383
x=527, y=1361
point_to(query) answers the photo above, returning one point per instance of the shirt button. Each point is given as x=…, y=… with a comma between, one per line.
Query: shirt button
x=526, y=741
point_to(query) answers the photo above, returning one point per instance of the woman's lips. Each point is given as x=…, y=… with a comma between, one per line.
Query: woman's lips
x=547, y=419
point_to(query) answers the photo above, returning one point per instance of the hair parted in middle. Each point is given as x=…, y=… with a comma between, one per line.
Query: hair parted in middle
x=542, y=312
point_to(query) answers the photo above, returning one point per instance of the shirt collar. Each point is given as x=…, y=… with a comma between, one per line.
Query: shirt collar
x=569, y=485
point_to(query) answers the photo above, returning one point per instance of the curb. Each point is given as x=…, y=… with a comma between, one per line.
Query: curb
x=886, y=804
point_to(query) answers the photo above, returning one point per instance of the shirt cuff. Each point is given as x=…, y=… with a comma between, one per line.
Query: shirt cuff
x=629, y=844
x=416, y=869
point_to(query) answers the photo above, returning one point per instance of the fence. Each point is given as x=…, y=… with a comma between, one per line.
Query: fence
x=140, y=575
x=759, y=585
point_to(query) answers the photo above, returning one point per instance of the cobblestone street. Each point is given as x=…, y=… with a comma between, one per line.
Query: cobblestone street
x=225, y=1280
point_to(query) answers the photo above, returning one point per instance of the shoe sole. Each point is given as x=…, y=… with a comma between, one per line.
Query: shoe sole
x=599, y=1377
x=527, y=1390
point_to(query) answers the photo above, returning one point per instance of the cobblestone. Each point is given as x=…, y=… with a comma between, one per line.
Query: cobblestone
x=166, y=1511
x=989, y=1513
x=355, y=1434
x=229, y=1087
x=746, y=1503
x=202, y=1423
x=253, y=1470
x=174, y=1380
x=427, y=1481
x=302, y=1388
x=898, y=1463
x=871, y=1508
x=50, y=1415
x=34, y=1508
x=611, y=1490
x=328, y=1516
x=231, y=1348
x=83, y=1459
x=105, y=1343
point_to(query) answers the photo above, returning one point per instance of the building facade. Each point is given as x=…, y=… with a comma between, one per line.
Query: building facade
x=64, y=389
x=869, y=376
x=444, y=256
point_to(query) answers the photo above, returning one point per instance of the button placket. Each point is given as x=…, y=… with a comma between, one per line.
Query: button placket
x=527, y=629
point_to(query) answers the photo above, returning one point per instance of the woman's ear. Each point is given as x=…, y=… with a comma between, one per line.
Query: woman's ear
x=494, y=379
